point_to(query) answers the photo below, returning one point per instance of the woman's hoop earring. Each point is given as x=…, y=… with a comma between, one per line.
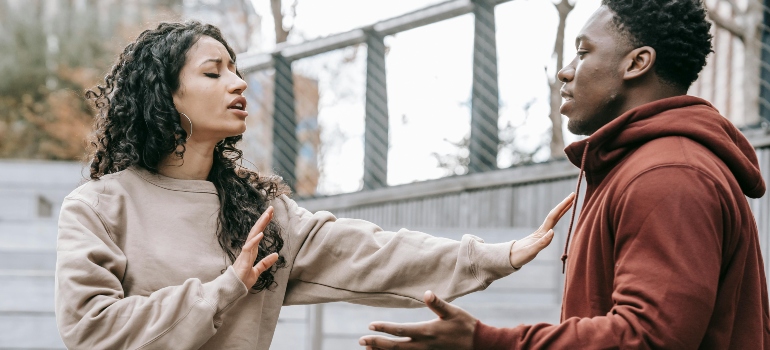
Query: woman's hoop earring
x=188, y=119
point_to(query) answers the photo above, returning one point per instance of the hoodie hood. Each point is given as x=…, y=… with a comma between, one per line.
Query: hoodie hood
x=685, y=116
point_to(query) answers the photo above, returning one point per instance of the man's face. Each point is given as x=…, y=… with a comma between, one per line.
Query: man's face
x=593, y=81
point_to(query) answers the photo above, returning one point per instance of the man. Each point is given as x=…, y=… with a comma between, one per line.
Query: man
x=666, y=251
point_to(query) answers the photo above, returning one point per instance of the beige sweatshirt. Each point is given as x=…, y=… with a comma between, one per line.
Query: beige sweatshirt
x=139, y=267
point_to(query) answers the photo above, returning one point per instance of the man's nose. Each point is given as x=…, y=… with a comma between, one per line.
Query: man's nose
x=566, y=74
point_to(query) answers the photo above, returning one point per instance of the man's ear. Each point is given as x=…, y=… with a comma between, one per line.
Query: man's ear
x=639, y=62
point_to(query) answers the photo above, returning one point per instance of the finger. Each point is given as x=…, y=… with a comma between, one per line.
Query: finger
x=263, y=221
x=557, y=212
x=399, y=329
x=380, y=342
x=264, y=264
x=249, y=251
x=252, y=243
x=544, y=241
x=441, y=308
x=532, y=239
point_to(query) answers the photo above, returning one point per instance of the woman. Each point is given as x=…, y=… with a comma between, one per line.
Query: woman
x=158, y=251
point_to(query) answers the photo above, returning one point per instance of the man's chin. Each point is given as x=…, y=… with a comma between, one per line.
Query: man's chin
x=576, y=127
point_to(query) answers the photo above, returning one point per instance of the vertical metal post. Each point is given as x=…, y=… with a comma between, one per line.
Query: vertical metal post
x=314, y=330
x=285, y=144
x=764, y=94
x=484, y=96
x=376, y=122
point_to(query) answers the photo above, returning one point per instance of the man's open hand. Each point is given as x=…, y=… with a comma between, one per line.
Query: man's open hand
x=453, y=329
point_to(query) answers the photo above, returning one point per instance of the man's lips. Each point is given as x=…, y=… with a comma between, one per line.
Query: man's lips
x=566, y=95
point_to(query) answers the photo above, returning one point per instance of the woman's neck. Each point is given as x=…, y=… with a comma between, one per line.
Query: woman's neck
x=196, y=164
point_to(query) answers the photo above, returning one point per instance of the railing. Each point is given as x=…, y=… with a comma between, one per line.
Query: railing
x=484, y=142
x=484, y=102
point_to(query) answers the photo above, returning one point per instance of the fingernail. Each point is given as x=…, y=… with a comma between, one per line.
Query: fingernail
x=371, y=327
x=361, y=342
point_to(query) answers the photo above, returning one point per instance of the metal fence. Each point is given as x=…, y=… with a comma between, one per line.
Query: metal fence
x=291, y=98
x=376, y=137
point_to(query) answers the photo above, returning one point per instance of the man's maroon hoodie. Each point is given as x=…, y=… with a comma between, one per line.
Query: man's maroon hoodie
x=665, y=253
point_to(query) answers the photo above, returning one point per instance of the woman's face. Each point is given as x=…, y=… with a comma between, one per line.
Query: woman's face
x=210, y=93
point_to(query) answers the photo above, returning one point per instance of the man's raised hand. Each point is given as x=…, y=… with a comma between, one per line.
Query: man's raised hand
x=453, y=329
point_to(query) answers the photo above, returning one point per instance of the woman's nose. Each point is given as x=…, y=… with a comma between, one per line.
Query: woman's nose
x=238, y=86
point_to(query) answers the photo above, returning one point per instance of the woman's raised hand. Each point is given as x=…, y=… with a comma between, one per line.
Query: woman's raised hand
x=244, y=264
x=526, y=249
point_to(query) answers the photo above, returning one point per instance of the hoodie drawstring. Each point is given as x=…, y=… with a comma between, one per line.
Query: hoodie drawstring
x=574, y=208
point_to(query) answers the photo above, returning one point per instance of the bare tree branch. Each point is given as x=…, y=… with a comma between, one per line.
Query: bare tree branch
x=564, y=7
x=281, y=33
x=557, y=137
x=729, y=24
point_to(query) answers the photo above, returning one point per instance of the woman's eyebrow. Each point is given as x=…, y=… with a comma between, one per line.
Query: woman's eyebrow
x=217, y=61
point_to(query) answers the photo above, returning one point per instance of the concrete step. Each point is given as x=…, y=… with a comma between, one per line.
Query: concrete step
x=37, y=234
x=18, y=259
x=294, y=313
x=29, y=331
x=289, y=335
x=27, y=293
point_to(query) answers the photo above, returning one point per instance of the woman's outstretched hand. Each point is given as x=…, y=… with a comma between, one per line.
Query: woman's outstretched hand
x=244, y=264
x=526, y=249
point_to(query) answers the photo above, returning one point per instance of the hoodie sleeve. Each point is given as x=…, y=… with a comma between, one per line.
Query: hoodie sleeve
x=356, y=261
x=92, y=311
x=668, y=227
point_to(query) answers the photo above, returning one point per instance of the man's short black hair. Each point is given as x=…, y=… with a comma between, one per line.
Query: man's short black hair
x=677, y=29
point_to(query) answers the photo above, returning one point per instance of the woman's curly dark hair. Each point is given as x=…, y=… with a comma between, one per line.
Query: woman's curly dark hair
x=677, y=29
x=137, y=124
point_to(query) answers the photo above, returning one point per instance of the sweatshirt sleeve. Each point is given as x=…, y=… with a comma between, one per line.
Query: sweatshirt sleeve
x=668, y=250
x=92, y=311
x=357, y=262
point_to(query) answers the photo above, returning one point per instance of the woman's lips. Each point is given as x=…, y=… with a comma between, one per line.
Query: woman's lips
x=239, y=113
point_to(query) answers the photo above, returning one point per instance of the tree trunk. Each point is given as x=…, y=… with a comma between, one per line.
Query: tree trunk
x=746, y=25
x=557, y=135
x=752, y=20
x=281, y=34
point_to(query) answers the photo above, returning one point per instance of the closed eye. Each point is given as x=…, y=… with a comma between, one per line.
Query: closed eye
x=212, y=75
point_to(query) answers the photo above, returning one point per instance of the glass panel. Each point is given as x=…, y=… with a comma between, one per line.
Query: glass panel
x=429, y=85
x=330, y=95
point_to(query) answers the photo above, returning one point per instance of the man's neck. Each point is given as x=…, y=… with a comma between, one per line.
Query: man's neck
x=648, y=93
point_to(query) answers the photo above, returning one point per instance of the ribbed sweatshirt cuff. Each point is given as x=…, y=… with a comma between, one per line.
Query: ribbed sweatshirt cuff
x=493, y=260
x=224, y=290
x=493, y=338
